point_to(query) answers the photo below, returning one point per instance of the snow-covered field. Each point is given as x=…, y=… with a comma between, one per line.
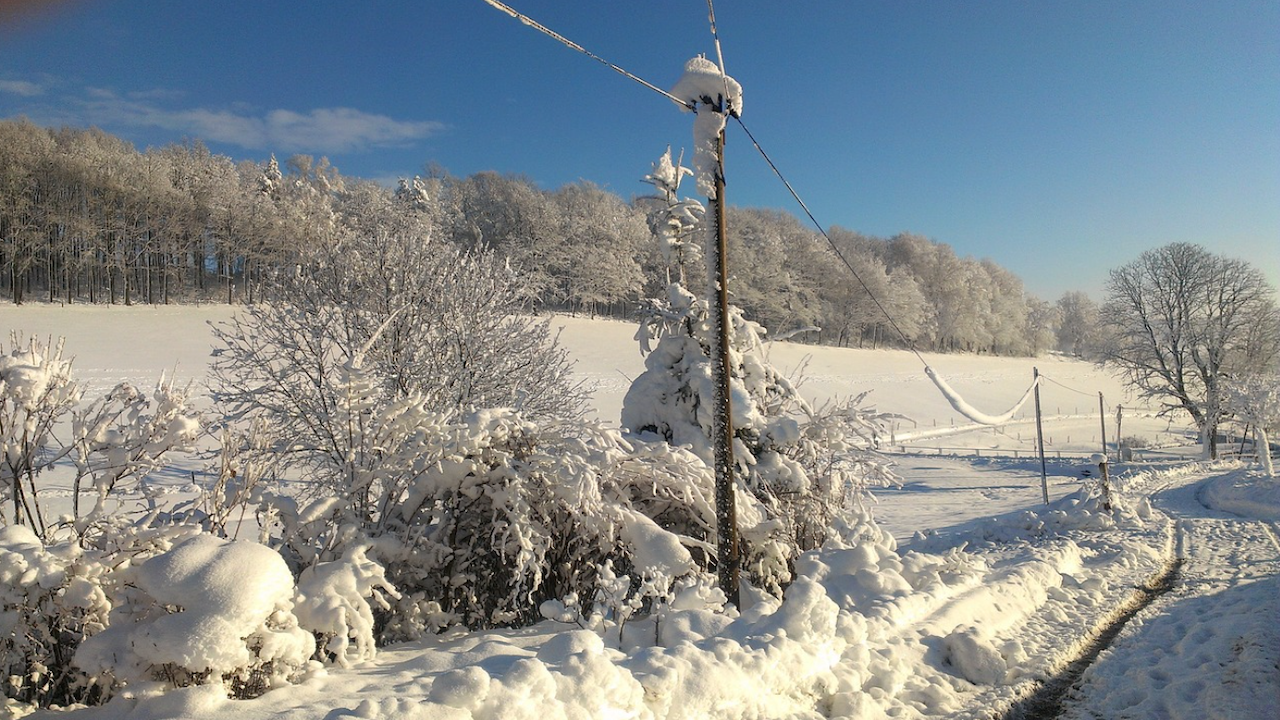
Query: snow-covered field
x=972, y=597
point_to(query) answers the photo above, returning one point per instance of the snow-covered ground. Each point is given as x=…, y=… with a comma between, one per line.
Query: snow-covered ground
x=971, y=597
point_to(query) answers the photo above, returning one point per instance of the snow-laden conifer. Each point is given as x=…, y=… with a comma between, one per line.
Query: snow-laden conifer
x=798, y=469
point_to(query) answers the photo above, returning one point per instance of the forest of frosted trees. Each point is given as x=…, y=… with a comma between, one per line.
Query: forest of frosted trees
x=86, y=217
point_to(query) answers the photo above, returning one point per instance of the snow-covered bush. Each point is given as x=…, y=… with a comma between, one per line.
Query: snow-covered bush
x=36, y=392
x=362, y=326
x=480, y=518
x=1136, y=442
x=206, y=611
x=116, y=439
x=244, y=466
x=50, y=598
x=126, y=435
x=798, y=470
x=139, y=603
x=1256, y=399
x=333, y=602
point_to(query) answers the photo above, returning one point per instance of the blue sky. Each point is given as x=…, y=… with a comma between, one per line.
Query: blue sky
x=1060, y=139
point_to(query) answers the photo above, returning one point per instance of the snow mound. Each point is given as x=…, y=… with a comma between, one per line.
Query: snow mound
x=212, y=607
x=703, y=82
x=1251, y=496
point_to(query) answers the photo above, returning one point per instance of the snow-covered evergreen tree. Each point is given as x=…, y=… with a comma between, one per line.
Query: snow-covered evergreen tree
x=797, y=469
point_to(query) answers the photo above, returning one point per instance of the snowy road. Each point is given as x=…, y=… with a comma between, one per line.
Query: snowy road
x=1211, y=647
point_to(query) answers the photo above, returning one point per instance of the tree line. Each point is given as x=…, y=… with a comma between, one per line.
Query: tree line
x=86, y=217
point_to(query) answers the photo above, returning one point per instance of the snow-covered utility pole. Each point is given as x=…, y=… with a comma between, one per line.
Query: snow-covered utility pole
x=714, y=97
x=727, y=558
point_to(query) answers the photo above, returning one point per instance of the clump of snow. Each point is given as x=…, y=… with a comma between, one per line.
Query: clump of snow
x=216, y=608
x=714, y=97
x=465, y=688
x=655, y=552
x=333, y=601
x=972, y=654
x=34, y=375
x=703, y=82
x=967, y=410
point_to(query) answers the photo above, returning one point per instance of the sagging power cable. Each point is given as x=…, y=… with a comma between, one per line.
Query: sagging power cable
x=957, y=402
x=910, y=343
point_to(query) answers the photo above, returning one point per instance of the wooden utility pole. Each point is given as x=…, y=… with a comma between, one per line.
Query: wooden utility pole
x=1102, y=418
x=1044, y=472
x=727, y=559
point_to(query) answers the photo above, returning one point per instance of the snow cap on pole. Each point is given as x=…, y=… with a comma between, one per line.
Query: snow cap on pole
x=703, y=82
x=714, y=96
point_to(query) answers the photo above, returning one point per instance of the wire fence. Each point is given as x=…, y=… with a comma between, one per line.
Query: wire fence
x=1132, y=455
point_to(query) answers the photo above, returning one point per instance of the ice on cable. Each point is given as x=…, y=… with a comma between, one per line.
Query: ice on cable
x=706, y=89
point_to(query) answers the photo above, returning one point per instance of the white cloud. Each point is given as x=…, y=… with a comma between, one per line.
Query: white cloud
x=344, y=128
x=321, y=130
x=20, y=87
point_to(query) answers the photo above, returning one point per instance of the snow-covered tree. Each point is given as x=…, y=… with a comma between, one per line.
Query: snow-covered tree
x=600, y=239
x=1043, y=321
x=1078, y=328
x=797, y=470
x=1255, y=399
x=1179, y=320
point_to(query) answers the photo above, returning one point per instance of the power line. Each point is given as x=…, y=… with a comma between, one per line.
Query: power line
x=575, y=46
x=715, y=34
x=1066, y=387
x=525, y=19
x=910, y=344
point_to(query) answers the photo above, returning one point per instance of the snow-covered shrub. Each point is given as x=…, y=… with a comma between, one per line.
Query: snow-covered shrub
x=1256, y=399
x=126, y=435
x=1137, y=442
x=480, y=519
x=120, y=437
x=206, y=611
x=520, y=513
x=333, y=602
x=362, y=326
x=145, y=604
x=798, y=470
x=55, y=595
x=244, y=465
x=50, y=598
x=36, y=392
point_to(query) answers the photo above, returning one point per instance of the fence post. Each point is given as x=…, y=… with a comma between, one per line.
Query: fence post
x=1044, y=474
x=1102, y=417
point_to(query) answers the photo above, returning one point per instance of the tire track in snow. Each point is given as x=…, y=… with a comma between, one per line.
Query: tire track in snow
x=1209, y=649
x=1046, y=701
